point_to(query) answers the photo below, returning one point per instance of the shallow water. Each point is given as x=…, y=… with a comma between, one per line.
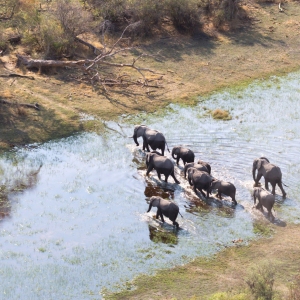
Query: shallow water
x=81, y=227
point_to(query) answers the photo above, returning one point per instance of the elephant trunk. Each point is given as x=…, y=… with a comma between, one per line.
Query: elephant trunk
x=253, y=172
x=135, y=139
x=150, y=206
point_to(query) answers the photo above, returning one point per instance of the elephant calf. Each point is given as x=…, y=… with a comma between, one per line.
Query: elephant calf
x=165, y=208
x=205, y=164
x=225, y=188
x=161, y=164
x=185, y=154
x=199, y=167
x=265, y=199
x=199, y=180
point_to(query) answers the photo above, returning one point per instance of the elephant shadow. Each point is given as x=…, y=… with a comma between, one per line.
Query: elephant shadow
x=276, y=221
x=165, y=234
x=152, y=189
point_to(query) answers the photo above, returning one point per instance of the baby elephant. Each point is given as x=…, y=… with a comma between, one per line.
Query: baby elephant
x=199, y=167
x=185, y=154
x=165, y=208
x=225, y=188
x=265, y=199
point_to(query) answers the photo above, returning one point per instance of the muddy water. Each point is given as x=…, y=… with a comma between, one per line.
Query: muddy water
x=81, y=226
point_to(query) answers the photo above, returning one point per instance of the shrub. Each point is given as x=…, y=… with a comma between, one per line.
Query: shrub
x=185, y=15
x=228, y=296
x=260, y=280
x=294, y=293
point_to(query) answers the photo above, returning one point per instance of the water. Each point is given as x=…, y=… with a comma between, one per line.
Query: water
x=81, y=227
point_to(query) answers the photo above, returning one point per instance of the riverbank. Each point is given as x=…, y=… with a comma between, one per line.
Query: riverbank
x=263, y=45
x=226, y=271
x=267, y=44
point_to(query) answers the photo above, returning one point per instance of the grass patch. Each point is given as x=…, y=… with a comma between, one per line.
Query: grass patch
x=262, y=229
x=220, y=114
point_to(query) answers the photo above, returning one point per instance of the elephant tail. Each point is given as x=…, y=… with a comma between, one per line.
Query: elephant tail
x=284, y=184
x=167, y=147
x=180, y=214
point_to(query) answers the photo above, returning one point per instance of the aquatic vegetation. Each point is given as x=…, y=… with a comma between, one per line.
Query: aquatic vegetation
x=87, y=206
x=220, y=114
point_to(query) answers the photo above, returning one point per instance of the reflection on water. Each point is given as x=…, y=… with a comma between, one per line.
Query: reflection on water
x=83, y=227
x=158, y=235
x=158, y=190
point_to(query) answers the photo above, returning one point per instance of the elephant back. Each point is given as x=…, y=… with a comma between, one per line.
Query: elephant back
x=154, y=135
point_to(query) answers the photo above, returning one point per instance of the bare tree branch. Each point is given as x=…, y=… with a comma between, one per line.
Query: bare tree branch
x=105, y=58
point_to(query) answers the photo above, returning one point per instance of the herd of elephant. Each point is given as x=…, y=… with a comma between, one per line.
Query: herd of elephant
x=199, y=175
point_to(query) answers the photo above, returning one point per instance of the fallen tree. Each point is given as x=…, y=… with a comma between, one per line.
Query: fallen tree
x=95, y=67
x=35, y=106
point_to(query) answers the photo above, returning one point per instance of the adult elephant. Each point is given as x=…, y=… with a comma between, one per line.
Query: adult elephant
x=200, y=180
x=183, y=153
x=203, y=163
x=265, y=199
x=151, y=137
x=270, y=172
x=223, y=187
x=199, y=167
x=161, y=164
x=165, y=208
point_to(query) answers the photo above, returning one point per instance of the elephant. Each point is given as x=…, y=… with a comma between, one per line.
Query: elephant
x=199, y=167
x=165, y=208
x=270, y=172
x=185, y=154
x=200, y=180
x=162, y=165
x=203, y=163
x=151, y=137
x=266, y=199
x=223, y=187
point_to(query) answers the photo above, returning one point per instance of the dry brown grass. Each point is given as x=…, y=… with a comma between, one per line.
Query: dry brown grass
x=190, y=67
x=220, y=114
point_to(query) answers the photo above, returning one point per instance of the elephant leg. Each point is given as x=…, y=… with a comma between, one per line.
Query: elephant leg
x=202, y=193
x=273, y=187
x=150, y=168
x=176, y=224
x=166, y=178
x=266, y=185
x=259, y=175
x=158, y=175
x=233, y=200
x=161, y=215
x=173, y=175
x=194, y=188
x=282, y=190
x=157, y=214
x=207, y=193
x=177, y=160
x=219, y=195
x=145, y=145
x=270, y=215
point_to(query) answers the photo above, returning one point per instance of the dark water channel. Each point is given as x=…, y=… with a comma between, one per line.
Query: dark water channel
x=82, y=226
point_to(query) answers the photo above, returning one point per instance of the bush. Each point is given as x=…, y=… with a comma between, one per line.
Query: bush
x=294, y=293
x=260, y=280
x=185, y=15
x=228, y=296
